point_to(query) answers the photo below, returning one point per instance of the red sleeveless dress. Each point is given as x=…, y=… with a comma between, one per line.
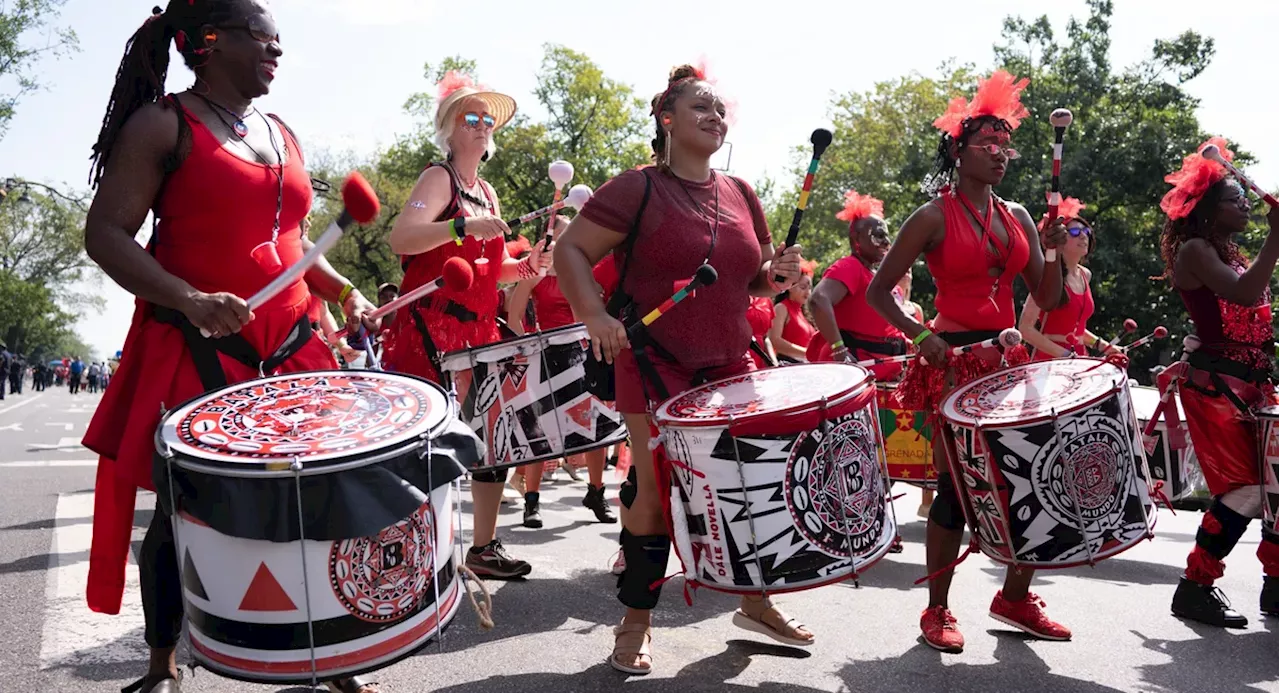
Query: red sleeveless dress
x=550, y=305
x=214, y=209
x=440, y=311
x=798, y=330
x=1071, y=320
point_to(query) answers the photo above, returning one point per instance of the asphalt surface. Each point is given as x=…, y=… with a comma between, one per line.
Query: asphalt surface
x=553, y=630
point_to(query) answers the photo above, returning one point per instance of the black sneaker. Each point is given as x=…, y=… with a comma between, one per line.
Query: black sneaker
x=532, y=517
x=493, y=561
x=1267, y=600
x=1206, y=604
x=595, y=501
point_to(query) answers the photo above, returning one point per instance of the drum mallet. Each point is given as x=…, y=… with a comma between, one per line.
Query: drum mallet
x=1059, y=119
x=560, y=172
x=1130, y=325
x=1158, y=333
x=1189, y=344
x=1212, y=153
x=820, y=139
x=705, y=276
x=1007, y=339
x=576, y=198
x=359, y=204
x=456, y=274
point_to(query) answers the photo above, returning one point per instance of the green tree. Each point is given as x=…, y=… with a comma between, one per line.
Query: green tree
x=27, y=35
x=1131, y=128
x=31, y=321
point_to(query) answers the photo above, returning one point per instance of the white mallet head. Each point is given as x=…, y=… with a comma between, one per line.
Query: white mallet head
x=1060, y=118
x=1212, y=153
x=578, y=196
x=1010, y=338
x=1190, y=343
x=560, y=172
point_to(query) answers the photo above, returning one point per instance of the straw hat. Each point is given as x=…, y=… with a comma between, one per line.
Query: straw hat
x=456, y=86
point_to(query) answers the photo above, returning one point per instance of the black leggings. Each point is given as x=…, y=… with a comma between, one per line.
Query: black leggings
x=491, y=476
x=160, y=582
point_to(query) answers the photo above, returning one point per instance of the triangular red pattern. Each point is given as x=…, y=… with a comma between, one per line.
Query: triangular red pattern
x=583, y=413
x=266, y=594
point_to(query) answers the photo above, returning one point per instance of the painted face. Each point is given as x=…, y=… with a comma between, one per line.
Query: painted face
x=473, y=126
x=871, y=239
x=698, y=119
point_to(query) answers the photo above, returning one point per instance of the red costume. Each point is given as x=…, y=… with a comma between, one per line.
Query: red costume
x=760, y=316
x=797, y=330
x=1071, y=320
x=215, y=208
x=866, y=334
x=550, y=305
x=447, y=319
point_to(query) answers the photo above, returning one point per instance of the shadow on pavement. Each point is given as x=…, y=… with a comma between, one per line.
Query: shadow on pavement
x=1214, y=659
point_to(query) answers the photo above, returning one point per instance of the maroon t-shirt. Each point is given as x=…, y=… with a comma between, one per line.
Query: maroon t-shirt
x=709, y=328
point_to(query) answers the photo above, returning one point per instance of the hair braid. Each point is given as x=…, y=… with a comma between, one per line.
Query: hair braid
x=140, y=79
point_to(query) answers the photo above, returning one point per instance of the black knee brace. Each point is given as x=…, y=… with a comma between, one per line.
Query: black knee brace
x=1220, y=530
x=627, y=492
x=490, y=476
x=946, y=511
x=646, y=558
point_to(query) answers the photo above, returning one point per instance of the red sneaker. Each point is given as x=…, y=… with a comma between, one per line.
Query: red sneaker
x=1028, y=615
x=940, y=631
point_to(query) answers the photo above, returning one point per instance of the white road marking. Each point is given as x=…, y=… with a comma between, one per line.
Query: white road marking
x=62, y=444
x=12, y=427
x=65, y=426
x=26, y=401
x=78, y=410
x=50, y=463
x=73, y=634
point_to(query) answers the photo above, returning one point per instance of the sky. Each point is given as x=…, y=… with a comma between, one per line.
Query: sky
x=349, y=65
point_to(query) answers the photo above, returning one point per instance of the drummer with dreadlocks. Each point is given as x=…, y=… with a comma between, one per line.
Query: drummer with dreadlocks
x=975, y=244
x=1231, y=373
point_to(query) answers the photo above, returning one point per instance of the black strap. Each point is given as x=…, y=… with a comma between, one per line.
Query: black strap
x=428, y=344
x=759, y=350
x=205, y=350
x=886, y=347
x=630, y=243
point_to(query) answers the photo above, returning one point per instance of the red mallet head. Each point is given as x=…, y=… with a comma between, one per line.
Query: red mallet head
x=1060, y=118
x=1130, y=325
x=359, y=199
x=1010, y=338
x=1160, y=332
x=457, y=274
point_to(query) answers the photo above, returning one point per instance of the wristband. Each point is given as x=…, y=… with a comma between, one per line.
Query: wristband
x=525, y=269
x=458, y=225
x=345, y=294
x=837, y=345
x=921, y=337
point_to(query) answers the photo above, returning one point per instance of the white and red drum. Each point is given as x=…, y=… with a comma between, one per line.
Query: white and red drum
x=777, y=482
x=1178, y=469
x=1046, y=461
x=313, y=515
x=1269, y=442
x=527, y=398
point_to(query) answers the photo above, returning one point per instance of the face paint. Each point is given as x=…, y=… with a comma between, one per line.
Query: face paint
x=417, y=204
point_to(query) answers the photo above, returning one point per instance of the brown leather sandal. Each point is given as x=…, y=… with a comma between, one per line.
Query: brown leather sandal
x=772, y=622
x=352, y=684
x=632, y=640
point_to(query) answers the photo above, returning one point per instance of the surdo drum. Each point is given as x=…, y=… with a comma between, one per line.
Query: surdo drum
x=1178, y=469
x=1269, y=444
x=1046, y=459
x=313, y=515
x=527, y=398
x=775, y=480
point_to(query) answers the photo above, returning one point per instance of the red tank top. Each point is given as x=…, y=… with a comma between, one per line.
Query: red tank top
x=1070, y=320
x=960, y=262
x=218, y=206
x=550, y=305
x=798, y=330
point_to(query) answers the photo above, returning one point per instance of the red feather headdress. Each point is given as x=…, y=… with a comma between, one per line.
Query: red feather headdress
x=1068, y=209
x=998, y=96
x=859, y=207
x=808, y=267
x=1193, y=179
x=518, y=245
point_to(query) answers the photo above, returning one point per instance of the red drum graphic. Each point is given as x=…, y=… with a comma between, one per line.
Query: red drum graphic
x=1269, y=441
x=1048, y=461
x=527, y=399
x=777, y=480
x=1178, y=469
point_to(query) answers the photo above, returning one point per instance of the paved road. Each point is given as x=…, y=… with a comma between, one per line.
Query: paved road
x=553, y=630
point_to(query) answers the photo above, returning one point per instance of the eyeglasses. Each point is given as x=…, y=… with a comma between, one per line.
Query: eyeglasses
x=473, y=120
x=993, y=149
x=1077, y=231
x=261, y=28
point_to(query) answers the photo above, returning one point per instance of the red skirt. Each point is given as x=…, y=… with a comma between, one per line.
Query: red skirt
x=1225, y=439
x=408, y=353
x=924, y=387
x=156, y=372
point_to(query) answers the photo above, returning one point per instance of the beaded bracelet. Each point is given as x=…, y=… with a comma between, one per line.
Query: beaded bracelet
x=921, y=337
x=525, y=269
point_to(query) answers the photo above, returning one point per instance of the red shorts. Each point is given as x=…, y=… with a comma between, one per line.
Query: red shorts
x=630, y=390
x=1225, y=439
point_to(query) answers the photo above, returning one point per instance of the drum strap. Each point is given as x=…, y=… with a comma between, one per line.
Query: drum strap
x=887, y=347
x=1218, y=366
x=428, y=344
x=759, y=350
x=205, y=350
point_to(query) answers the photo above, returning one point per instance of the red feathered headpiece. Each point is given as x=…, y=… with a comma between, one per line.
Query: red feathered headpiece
x=808, y=267
x=453, y=81
x=519, y=245
x=859, y=207
x=1193, y=179
x=998, y=96
x=1069, y=208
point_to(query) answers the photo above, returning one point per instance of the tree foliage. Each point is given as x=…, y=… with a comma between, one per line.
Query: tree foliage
x=27, y=36
x=1131, y=128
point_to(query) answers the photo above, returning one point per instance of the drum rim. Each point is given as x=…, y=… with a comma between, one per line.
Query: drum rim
x=257, y=468
x=972, y=423
x=663, y=419
x=459, y=353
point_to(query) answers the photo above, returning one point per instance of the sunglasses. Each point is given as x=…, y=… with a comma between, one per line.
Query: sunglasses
x=261, y=28
x=1077, y=231
x=473, y=120
x=993, y=149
